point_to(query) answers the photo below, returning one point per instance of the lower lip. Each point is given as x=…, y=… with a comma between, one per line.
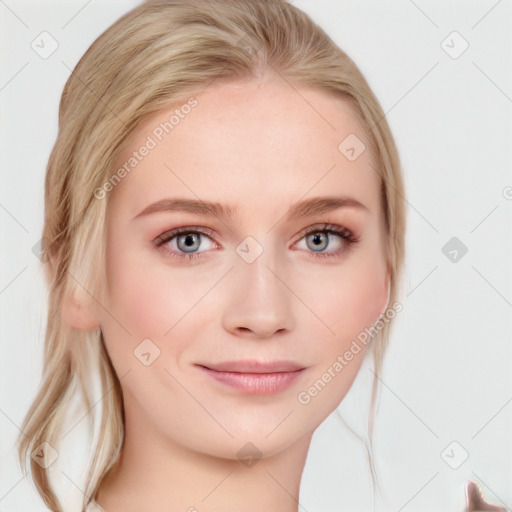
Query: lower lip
x=256, y=383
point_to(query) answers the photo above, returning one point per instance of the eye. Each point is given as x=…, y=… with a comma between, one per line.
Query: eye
x=186, y=242
x=191, y=242
x=326, y=236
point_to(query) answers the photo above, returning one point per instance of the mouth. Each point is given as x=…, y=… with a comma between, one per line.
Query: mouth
x=253, y=377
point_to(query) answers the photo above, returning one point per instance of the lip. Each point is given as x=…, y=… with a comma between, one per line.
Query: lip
x=254, y=366
x=255, y=377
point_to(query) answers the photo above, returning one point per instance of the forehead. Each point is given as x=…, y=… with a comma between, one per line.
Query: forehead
x=262, y=138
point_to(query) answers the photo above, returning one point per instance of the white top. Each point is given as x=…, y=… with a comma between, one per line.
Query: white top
x=94, y=507
x=474, y=500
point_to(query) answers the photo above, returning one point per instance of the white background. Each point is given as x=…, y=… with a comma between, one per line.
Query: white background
x=448, y=370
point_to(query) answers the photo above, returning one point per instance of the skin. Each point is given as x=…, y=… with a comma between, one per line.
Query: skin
x=260, y=146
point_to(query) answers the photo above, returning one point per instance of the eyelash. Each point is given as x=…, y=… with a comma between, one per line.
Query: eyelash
x=348, y=237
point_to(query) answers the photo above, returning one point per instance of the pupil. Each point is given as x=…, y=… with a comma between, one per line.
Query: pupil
x=189, y=241
x=319, y=241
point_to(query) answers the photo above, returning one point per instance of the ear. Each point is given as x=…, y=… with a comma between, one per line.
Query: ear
x=79, y=310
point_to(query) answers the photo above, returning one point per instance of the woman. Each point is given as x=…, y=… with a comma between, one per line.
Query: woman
x=224, y=232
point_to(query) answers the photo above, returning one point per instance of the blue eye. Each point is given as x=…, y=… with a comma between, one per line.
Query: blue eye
x=319, y=241
x=189, y=242
x=184, y=242
x=320, y=238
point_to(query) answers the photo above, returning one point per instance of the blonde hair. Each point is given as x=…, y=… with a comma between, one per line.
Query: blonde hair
x=155, y=55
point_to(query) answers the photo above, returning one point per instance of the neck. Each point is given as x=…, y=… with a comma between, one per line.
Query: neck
x=154, y=472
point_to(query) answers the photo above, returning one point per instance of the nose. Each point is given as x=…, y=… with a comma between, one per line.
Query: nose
x=259, y=303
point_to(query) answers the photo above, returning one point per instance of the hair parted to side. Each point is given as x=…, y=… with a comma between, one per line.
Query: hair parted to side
x=159, y=53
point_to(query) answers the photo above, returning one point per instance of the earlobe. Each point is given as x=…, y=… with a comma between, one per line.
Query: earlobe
x=50, y=256
x=78, y=308
x=79, y=311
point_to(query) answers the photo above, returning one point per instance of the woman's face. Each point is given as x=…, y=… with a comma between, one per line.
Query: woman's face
x=244, y=281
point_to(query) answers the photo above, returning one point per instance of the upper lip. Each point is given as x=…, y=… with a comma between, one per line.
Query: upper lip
x=253, y=366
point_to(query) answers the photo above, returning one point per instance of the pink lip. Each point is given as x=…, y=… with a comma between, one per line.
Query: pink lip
x=253, y=366
x=253, y=377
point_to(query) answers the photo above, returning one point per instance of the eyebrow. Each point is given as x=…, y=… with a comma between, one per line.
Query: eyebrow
x=305, y=208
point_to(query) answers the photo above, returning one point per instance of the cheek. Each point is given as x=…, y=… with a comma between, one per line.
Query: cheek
x=140, y=294
x=137, y=299
x=348, y=301
x=152, y=300
x=349, y=298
